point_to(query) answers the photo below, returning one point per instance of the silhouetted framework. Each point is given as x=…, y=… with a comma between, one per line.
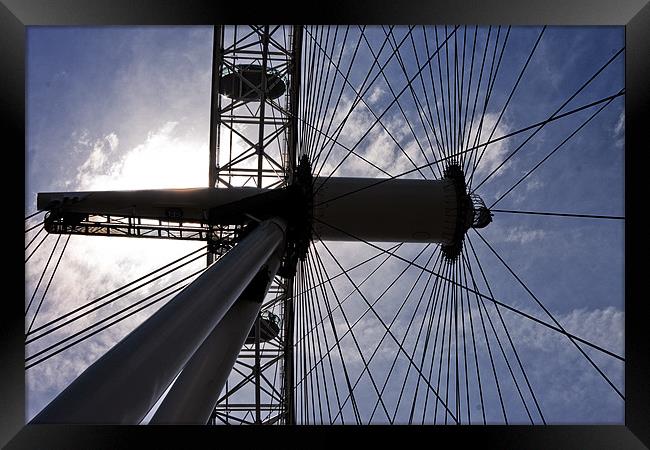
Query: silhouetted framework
x=260, y=112
x=295, y=334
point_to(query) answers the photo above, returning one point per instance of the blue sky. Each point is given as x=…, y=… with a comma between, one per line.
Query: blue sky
x=126, y=108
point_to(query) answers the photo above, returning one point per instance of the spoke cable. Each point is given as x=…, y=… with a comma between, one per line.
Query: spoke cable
x=47, y=287
x=478, y=90
x=512, y=345
x=322, y=274
x=380, y=116
x=92, y=302
x=505, y=106
x=107, y=318
x=378, y=346
x=314, y=301
x=360, y=99
x=556, y=114
x=548, y=313
x=360, y=93
x=505, y=136
x=486, y=297
x=34, y=238
x=34, y=214
x=312, y=152
x=415, y=100
x=559, y=146
x=384, y=326
x=49, y=259
x=349, y=328
x=35, y=226
x=492, y=77
x=471, y=323
x=36, y=248
x=588, y=216
x=437, y=263
x=439, y=294
x=505, y=358
x=366, y=278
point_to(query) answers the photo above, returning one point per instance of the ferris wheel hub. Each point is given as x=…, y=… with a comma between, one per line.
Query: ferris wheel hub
x=300, y=214
x=329, y=208
x=471, y=211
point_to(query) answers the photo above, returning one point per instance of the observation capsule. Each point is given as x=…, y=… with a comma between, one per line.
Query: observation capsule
x=246, y=83
x=269, y=328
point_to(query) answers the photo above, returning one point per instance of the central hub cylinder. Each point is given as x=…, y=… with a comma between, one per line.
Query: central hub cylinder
x=372, y=209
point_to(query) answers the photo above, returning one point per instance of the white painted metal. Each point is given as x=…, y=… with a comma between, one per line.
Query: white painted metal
x=193, y=395
x=126, y=382
x=386, y=211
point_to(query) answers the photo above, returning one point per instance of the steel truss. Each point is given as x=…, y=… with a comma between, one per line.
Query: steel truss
x=222, y=236
x=251, y=138
x=253, y=143
x=254, y=392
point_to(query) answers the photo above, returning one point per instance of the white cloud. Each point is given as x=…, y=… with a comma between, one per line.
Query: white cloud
x=521, y=235
x=376, y=94
x=494, y=154
x=620, y=124
x=552, y=76
x=112, y=140
x=377, y=145
x=167, y=159
x=99, y=149
x=619, y=131
x=96, y=160
x=94, y=266
x=90, y=268
x=568, y=388
x=534, y=185
x=164, y=160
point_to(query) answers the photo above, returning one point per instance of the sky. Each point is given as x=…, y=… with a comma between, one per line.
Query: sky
x=128, y=108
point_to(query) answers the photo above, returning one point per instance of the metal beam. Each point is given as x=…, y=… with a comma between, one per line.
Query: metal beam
x=215, y=122
x=192, y=398
x=294, y=97
x=287, y=306
x=123, y=385
x=215, y=118
x=288, y=373
x=260, y=144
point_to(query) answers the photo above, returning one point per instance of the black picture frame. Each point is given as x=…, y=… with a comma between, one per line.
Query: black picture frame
x=15, y=15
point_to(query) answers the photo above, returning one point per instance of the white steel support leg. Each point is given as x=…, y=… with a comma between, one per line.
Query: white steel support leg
x=123, y=385
x=195, y=392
